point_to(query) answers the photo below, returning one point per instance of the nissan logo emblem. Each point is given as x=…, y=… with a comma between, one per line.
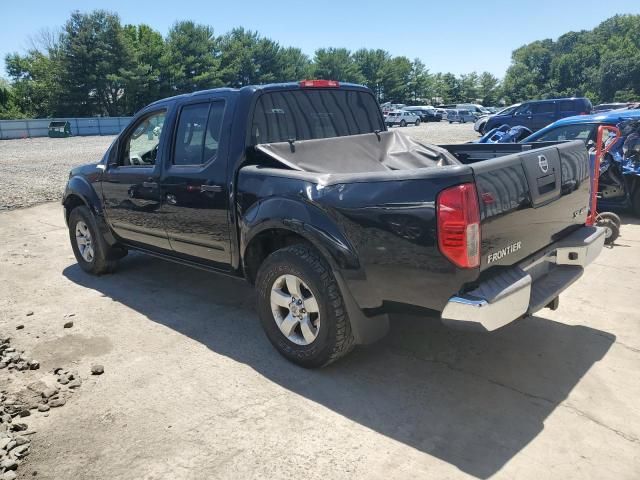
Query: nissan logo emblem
x=544, y=163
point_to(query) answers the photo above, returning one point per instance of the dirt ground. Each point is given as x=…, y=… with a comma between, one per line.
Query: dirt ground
x=192, y=389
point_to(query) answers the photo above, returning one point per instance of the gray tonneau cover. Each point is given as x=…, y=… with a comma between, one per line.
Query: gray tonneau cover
x=371, y=152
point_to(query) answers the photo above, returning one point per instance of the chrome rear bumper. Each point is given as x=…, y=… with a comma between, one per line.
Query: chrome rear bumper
x=527, y=287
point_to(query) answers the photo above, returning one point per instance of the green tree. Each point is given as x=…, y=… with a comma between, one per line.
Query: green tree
x=371, y=64
x=94, y=54
x=142, y=80
x=191, y=61
x=469, y=87
x=488, y=89
x=396, y=78
x=246, y=58
x=35, y=88
x=336, y=64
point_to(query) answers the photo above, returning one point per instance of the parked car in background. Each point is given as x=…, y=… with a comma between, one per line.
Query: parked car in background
x=460, y=116
x=479, y=126
x=442, y=112
x=605, y=107
x=619, y=185
x=426, y=113
x=402, y=118
x=474, y=108
x=537, y=114
x=581, y=127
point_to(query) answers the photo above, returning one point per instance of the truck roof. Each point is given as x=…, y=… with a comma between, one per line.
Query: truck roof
x=256, y=88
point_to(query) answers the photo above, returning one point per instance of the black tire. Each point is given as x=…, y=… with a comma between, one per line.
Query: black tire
x=464, y=121
x=450, y=121
x=481, y=128
x=612, y=216
x=611, y=222
x=334, y=338
x=403, y=123
x=104, y=257
x=417, y=122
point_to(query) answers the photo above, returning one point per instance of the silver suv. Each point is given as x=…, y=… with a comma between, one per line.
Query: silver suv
x=402, y=118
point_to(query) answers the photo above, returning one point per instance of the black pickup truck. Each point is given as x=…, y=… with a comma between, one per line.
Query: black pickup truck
x=301, y=190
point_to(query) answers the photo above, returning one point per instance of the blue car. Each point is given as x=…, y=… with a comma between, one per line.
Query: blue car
x=535, y=114
x=581, y=127
x=619, y=185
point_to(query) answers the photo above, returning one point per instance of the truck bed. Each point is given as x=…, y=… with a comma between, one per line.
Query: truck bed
x=388, y=215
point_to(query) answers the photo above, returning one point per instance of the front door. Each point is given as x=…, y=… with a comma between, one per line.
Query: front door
x=130, y=187
x=194, y=184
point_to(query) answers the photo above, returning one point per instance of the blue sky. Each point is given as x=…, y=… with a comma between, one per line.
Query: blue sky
x=451, y=36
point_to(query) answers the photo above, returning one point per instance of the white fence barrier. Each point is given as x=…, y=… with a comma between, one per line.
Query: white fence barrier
x=39, y=127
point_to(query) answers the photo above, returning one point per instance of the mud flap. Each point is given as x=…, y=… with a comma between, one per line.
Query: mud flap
x=366, y=329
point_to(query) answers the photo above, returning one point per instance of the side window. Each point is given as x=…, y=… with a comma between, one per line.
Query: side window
x=198, y=133
x=565, y=107
x=141, y=145
x=543, y=107
x=214, y=129
x=524, y=109
x=570, y=132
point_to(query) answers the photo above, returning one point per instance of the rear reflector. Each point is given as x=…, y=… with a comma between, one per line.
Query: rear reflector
x=319, y=84
x=459, y=225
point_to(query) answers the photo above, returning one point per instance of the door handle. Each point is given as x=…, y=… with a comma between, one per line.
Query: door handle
x=210, y=188
x=149, y=184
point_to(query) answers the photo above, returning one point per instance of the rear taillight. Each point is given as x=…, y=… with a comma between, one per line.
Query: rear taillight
x=459, y=225
x=320, y=84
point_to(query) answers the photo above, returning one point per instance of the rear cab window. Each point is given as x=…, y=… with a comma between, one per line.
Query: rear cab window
x=313, y=113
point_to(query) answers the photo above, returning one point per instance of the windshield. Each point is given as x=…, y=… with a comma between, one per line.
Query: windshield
x=314, y=113
x=508, y=110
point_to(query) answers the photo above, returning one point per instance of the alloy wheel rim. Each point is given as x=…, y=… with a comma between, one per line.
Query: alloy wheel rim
x=295, y=309
x=84, y=241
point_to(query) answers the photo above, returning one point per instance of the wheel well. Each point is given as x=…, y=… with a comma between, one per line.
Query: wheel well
x=71, y=202
x=263, y=245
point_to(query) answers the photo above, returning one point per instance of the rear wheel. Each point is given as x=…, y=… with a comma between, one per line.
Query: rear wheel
x=417, y=122
x=301, y=307
x=92, y=253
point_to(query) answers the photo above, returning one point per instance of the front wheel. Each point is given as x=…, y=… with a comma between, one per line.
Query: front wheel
x=92, y=253
x=301, y=307
x=403, y=123
x=417, y=122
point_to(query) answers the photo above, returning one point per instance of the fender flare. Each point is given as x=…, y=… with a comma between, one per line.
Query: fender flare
x=317, y=226
x=80, y=188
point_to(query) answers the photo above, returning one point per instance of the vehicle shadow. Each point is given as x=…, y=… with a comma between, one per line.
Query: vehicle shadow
x=473, y=400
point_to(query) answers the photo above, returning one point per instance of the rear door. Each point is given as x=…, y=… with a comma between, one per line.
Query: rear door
x=194, y=183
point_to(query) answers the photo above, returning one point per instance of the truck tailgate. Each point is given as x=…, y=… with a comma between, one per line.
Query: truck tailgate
x=530, y=199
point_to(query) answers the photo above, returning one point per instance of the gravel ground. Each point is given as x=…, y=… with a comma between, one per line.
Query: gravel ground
x=35, y=170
